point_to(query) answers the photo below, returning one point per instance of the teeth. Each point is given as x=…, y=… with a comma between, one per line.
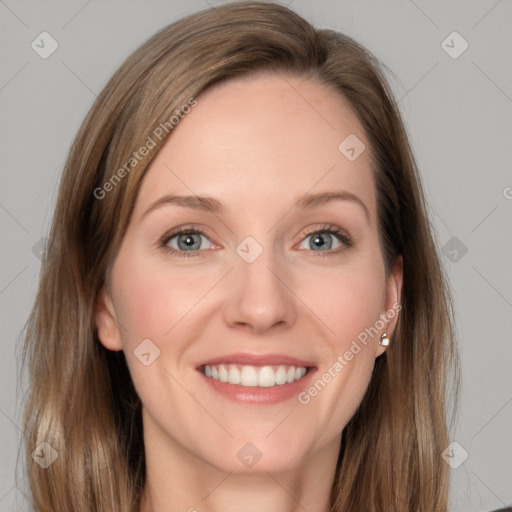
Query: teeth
x=249, y=376
x=223, y=373
x=267, y=377
x=281, y=375
x=260, y=376
x=233, y=375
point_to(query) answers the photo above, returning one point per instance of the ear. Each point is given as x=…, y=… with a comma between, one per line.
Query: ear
x=392, y=303
x=394, y=293
x=106, y=322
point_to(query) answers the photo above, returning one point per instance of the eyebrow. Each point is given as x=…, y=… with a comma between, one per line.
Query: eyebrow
x=311, y=200
x=205, y=204
x=211, y=205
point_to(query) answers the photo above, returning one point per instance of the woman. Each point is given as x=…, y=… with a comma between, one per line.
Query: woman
x=189, y=347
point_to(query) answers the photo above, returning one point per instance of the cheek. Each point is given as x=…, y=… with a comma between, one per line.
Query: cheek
x=153, y=299
x=157, y=302
x=347, y=300
x=151, y=303
x=349, y=304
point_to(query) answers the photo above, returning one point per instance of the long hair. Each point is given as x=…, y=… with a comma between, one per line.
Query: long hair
x=81, y=399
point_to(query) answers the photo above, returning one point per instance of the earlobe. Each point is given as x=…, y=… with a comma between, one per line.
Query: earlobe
x=106, y=323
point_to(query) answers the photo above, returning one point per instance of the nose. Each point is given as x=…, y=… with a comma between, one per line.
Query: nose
x=259, y=297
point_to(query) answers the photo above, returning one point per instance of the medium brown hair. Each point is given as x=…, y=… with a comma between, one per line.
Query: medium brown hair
x=81, y=398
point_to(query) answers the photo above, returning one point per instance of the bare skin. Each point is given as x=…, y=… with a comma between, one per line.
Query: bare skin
x=256, y=145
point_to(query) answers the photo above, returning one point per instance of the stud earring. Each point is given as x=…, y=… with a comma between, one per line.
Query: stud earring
x=384, y=340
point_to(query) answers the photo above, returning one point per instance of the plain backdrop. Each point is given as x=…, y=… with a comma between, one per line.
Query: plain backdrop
x=452, y=66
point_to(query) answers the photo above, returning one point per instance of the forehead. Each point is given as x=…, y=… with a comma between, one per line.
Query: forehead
x=261, y=140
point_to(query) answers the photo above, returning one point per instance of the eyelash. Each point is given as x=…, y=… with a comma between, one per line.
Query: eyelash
x=339, y=233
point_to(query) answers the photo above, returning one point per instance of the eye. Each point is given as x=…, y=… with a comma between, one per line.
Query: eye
x=188, y=241
x=322, y=238
x=184, y=242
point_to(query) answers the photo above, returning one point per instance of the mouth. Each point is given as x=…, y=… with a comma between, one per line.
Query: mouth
x=254, y=376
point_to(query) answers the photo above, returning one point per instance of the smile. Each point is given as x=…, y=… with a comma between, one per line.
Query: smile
x=254, y=376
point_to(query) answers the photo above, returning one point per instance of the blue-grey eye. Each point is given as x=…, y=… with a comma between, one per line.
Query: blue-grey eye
x=187, y=241
x=322, y=240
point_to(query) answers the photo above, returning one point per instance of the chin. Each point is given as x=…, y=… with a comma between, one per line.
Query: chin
x=254, y=455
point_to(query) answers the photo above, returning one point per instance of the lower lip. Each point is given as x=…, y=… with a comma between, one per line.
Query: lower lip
x=257, y=395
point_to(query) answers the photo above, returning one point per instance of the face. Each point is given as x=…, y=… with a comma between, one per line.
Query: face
x=254, y=316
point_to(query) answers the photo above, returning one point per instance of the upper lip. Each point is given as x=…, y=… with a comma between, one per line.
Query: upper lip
x=258, y=360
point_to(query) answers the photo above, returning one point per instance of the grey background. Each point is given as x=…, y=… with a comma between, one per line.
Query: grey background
x=458, y=112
